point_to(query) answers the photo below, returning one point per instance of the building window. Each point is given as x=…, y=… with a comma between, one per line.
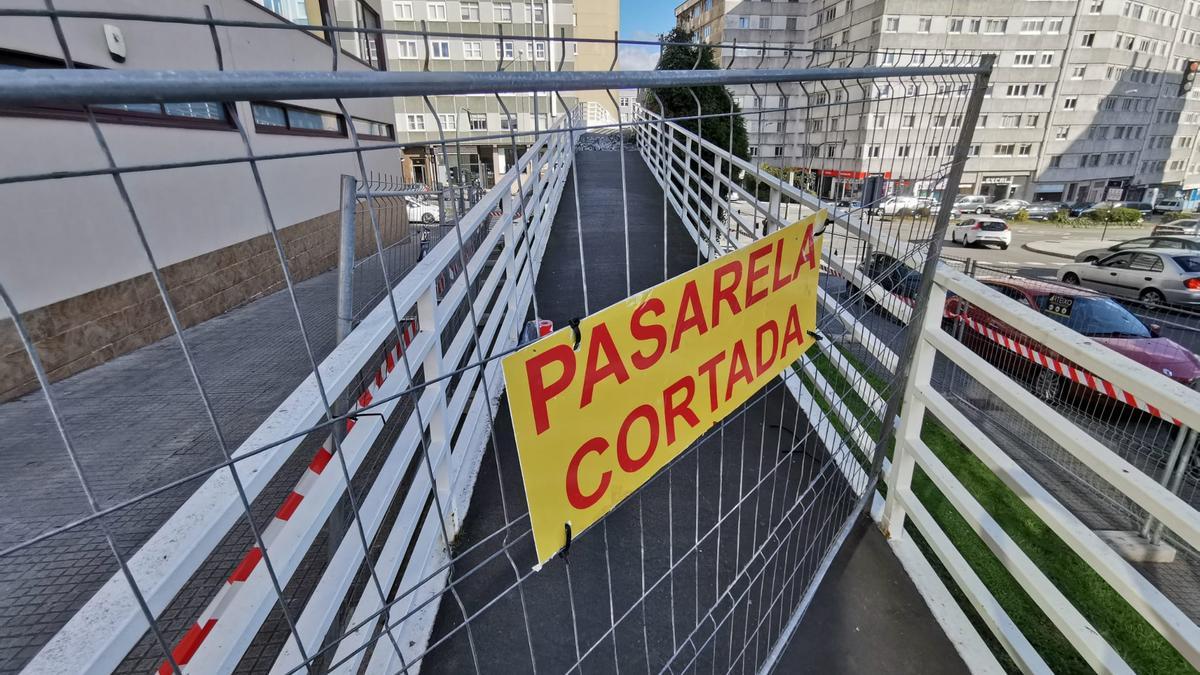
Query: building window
x=955, y=25
x=508, y=122
x=754, y=151
x=1032, y=120
x=1017, y=90
x=1054, y=26
x=1096, y=7
x=903, y=151
x=279, y=118
x=1047, y=59
x=406, y=49
x=778, y=151
x=1025, y=149
x=477, y=121
x=1032, y=25
x=764, y=23
x=924, y=23
x=1087, y=39
x=472, y=50
x=908, y=121
x=436, y=11
x=995, y=26
x=892, y=24
x=1078, y=72
x=535, y=13
x=743, y=22
x=439, y=49
x=415, y=121
x=539, y=51
x=973, y=151
x=1005, y=149
x=468, y=11
x=449, y=121
x=506, y=50
x=1070, y=102
x=502, y=12
x=1038, y=90
x=1055, y=161
x=1010, y=121
x=402, y=11
x=932, y=151
x=1060, y=133
x=1023, y=59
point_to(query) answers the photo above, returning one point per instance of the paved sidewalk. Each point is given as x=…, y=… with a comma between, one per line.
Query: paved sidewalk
x=1067, y=248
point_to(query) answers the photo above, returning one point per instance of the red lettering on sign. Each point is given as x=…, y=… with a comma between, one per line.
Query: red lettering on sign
x=723, y=293
x=756, y=273
x=792, y=332
x=808, y=254
x=709, y=368
x=629, y=464
x=600, y=340
x=690, y=314
x=739, y=368
x=683, y=409
x=539, y=391
x=653, y=332
x=576, y=496
x=778, y=282
x=764, y=361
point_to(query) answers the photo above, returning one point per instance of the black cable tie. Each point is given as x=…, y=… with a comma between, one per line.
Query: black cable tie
x=578, y=338
x=355, y=416
x=815, y=335
x=566, y=549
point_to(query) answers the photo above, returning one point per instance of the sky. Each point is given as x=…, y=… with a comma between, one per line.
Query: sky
x=644, y=20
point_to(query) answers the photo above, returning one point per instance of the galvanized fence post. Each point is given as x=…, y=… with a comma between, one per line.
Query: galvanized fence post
x=345, y=323
x=925, y=291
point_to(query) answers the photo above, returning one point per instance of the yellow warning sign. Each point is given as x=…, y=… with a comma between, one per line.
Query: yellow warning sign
x=652, y=373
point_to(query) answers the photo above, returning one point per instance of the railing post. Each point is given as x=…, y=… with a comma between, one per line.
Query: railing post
x=346, y=244
x=432, y=368
x=912, y=413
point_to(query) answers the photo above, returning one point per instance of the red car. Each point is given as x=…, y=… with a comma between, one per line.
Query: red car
x=1092, y=314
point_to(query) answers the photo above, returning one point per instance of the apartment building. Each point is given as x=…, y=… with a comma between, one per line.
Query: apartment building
x=205, y=225
x=1082, y=104
x=536, y=26
x=764, y=32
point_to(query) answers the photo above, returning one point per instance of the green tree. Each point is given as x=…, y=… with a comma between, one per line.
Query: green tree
x=714, y=100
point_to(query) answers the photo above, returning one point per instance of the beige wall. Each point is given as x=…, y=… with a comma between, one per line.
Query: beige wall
x=65, y=237
x=597, y=19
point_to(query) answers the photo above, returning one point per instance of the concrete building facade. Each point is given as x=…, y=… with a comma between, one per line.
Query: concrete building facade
x=1082, y=104
x=538, y=24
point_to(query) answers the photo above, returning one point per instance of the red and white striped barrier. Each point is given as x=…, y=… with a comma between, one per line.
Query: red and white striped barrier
x=195, y=635
x=1076, y=375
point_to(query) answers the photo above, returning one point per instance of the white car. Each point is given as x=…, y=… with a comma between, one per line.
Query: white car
x=896, y=205
x=1168, y=206
x=980, y=230
x=422, y=212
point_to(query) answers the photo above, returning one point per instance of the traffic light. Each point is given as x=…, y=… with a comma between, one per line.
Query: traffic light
x=1189, y=77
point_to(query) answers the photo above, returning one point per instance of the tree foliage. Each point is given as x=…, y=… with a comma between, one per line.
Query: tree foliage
x=722, y=129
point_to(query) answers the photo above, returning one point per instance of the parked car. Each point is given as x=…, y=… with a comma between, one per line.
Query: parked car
x=420, y=211
x=892, y=206
x=1183, y=243
x=1183, y=226
x=970, y=203
x=1076, y=209
x=1168, y=206
x=1005, y=207
x=890, y=274
x=980, y=230
x=1146, y=208
x=1044, y=210
x=1156, y=276
x=1082, y=310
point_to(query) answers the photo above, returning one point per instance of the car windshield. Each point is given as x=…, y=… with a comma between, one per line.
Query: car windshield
x=1093, y=316
x=1188, y=263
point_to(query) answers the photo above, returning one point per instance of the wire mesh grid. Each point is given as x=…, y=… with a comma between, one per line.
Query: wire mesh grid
x=250, y=554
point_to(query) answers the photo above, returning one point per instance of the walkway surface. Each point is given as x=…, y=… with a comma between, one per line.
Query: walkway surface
x=138, y=423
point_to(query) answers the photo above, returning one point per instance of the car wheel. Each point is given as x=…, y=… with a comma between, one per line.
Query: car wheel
x=978, y=210
x=1003, y=247
x=1071, y=278
x=428, y=219
x=1152, y=296
x=1046, y=385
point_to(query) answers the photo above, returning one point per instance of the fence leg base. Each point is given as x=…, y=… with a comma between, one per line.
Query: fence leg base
x=1135, y=548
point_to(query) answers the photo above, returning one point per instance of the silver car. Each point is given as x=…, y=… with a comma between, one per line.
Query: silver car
x=1005, y=207
x=1168, y=241
x=1154, y=276
x=1185, y=226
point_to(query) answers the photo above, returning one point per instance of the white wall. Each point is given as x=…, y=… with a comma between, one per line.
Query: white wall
x=60, y=238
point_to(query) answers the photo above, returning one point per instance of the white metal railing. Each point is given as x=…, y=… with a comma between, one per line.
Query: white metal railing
x=659, y=143
x=103, y=631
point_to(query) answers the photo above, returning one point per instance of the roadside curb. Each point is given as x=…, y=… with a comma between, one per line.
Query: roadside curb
x=1047, y=248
